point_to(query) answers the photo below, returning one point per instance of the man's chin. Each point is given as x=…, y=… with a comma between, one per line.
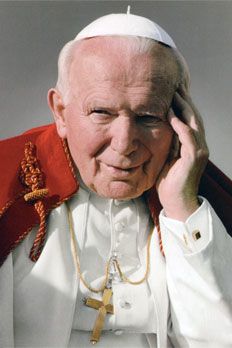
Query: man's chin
x=120, y=190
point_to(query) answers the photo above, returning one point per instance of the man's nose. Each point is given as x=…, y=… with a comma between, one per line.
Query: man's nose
x=125, y=138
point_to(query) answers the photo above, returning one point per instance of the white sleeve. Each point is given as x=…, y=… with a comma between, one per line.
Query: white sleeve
x=199, y=279
x=193, y=234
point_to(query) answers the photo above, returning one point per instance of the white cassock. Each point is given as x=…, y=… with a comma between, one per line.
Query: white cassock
x=186, y=301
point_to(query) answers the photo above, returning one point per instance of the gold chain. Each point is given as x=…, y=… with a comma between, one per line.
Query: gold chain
x=104, y=284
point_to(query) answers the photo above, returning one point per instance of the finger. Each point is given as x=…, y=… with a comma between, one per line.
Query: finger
x=191, y=119
x=174, y=152
x=184, y=93
x=186, y=96
x=188, y=112
x=175, y=146
x=192, y=146
x=185, y=135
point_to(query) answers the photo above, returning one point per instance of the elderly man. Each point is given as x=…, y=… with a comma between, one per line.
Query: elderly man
x=106, y=266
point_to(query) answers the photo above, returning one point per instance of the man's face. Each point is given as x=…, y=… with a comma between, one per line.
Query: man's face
x=116, y=117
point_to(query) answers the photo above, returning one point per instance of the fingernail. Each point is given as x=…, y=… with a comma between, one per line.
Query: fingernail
x=171, y=114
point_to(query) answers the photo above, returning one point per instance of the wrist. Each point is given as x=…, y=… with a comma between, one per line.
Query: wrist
x=181, y=210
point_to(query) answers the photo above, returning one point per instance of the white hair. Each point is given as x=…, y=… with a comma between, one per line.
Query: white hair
x=135, y=44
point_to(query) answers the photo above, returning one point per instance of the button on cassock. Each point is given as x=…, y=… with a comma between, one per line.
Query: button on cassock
x=119, y=227
x=124, y=304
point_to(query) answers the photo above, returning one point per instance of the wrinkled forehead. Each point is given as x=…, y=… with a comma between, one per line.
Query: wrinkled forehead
x=126, y=56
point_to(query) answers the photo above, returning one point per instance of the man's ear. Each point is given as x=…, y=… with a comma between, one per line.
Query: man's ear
x=55, y=102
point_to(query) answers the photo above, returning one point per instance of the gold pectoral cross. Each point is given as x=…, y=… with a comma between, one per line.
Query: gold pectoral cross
x=103, y=307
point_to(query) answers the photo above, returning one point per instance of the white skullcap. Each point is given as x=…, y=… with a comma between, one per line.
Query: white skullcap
x=125, y=25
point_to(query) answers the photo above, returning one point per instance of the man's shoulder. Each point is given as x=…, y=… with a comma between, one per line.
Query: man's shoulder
x=11, y=155
x=33, y=161
x=30, y=132
x=12, y=148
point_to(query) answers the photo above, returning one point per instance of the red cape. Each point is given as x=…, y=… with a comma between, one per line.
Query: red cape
x=18, y=217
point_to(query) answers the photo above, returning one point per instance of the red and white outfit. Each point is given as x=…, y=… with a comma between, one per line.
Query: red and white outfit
x=186, y=301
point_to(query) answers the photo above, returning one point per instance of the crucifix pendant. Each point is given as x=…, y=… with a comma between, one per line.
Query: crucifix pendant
x=103, y=307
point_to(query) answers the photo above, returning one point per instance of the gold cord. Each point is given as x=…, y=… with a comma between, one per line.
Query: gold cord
x=104, y=284
x=32, y=177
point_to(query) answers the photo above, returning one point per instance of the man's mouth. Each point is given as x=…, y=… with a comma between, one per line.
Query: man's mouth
x=122, y=172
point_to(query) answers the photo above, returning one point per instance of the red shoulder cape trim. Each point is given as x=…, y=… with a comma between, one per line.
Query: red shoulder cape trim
x=17, y=217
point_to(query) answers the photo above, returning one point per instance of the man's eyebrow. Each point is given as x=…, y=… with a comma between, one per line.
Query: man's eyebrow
x=155, y=105
x=149, y=109
x=164, y=77
x=152, y=112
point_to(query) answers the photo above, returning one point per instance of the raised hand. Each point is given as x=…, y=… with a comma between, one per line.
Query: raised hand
x=179, y=179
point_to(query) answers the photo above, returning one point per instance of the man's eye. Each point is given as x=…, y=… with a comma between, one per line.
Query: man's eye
x=100, y=116
x=149, y=120
x=100, y=112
